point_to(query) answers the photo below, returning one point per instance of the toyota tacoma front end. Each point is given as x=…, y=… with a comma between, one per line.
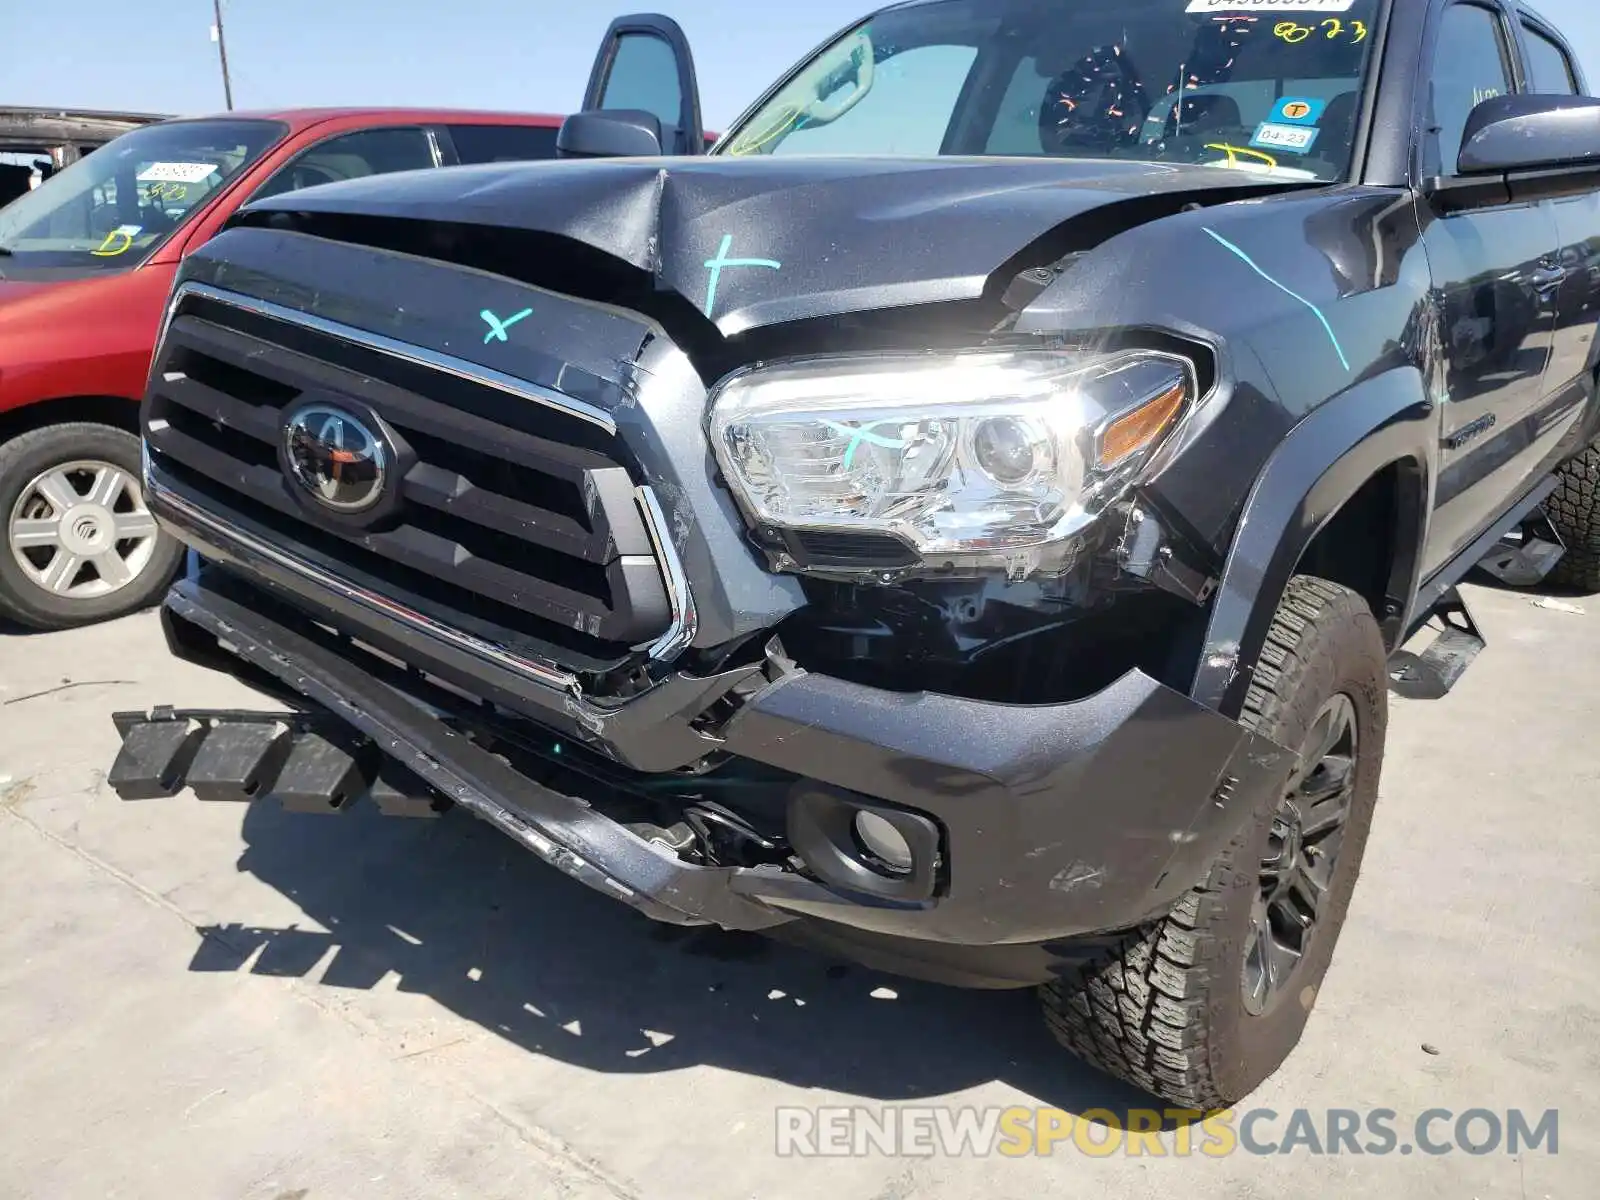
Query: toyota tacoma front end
x=840, y=639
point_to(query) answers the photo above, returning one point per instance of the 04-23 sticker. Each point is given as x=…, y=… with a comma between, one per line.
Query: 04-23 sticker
x=1292, y=125
x=1297, y=139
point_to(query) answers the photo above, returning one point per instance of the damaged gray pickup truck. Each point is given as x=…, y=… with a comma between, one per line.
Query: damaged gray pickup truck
x=969, y=521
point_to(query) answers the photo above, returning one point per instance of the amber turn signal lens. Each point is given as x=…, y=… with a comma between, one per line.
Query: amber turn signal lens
x=1137, y=429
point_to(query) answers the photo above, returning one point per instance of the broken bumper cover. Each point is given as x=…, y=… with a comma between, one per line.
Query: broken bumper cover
x=1054, y=821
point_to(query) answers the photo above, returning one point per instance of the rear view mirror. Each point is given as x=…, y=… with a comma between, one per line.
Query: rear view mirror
x=612, y=133
x=1531, y=133
x=820, y=93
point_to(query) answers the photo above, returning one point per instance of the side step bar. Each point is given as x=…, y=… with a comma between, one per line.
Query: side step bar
x=1528, y=553
x=1431, y=674
x=307, y=763
x=1525, y=549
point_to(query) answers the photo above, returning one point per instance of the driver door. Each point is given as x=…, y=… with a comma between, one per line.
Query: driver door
x=644, y=65
x=1495, y=287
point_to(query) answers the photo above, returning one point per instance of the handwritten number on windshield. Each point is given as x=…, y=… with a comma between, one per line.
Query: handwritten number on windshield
x=111, y=247
x=1294, y=34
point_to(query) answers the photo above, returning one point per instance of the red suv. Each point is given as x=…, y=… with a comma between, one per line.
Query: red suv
x=86, y=262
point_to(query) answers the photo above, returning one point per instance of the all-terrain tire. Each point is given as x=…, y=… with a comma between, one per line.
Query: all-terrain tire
x=1574, y=509
x=23, y=460
x=1165, y=1010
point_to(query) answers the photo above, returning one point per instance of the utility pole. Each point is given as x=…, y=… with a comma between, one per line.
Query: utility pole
x=222, y=52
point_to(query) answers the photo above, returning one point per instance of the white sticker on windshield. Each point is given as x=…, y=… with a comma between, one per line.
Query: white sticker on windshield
x=1279, y=6
x=128, y=230
x=175, y=172
x=1297, y=139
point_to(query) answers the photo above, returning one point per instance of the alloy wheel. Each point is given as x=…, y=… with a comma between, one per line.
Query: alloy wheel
x=1296, y=874
x=81, y=530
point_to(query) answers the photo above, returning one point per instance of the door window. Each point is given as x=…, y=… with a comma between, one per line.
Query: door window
x=1470, y=65
x=1549, y=72
x=502, y=143
x=351, y=156
x=644, y=75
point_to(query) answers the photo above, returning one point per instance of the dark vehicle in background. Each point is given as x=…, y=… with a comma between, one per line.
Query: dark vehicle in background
x=48, y=140
x=86, y=265
x=970, y=521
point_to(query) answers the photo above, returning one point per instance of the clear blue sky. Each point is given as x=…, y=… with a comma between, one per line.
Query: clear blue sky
x=156, y=56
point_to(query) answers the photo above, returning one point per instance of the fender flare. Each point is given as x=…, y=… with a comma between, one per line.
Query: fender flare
x=1320, y=465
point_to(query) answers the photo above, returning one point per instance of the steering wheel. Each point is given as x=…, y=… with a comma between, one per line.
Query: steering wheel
x=1099, y=100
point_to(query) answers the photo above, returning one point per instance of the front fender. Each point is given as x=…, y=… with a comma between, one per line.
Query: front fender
x=1324, y=460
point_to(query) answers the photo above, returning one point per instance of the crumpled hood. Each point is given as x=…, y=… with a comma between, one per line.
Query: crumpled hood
x=757, y=241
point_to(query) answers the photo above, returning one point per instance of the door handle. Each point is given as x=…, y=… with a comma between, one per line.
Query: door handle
x=1548, y=275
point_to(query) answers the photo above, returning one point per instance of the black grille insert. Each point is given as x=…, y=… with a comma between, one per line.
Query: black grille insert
x=516, y=522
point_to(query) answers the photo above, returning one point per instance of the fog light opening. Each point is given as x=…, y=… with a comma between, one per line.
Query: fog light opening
x=887, y=845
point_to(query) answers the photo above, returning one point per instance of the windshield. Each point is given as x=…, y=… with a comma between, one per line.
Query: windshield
x=1264, y=85
x=114, y=206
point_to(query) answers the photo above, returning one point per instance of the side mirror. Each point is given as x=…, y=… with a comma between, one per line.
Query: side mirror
x=1530, y=133
x=611, y=133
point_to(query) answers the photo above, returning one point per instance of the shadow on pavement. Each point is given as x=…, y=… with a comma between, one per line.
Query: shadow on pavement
x=462, y=915
x=1484, y=579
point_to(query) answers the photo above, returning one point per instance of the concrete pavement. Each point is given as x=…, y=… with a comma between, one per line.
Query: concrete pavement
x=219, y=1001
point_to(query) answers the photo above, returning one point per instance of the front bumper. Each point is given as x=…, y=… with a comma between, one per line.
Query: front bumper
x=1057, y=821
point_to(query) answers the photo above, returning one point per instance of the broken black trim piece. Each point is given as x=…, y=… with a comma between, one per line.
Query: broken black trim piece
x=307, y=761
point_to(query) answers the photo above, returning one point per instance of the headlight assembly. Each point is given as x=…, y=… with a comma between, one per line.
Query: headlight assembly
x=991, y=459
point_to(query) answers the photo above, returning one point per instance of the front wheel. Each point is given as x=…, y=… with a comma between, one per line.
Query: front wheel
x=1203, y=1005
x=80, y=545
